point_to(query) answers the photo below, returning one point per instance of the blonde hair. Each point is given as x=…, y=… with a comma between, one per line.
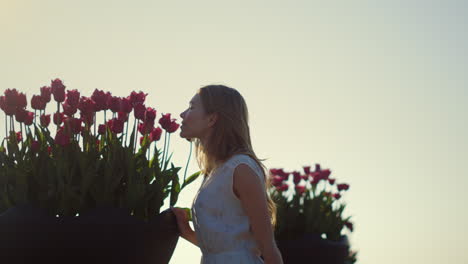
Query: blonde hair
x=231, y=134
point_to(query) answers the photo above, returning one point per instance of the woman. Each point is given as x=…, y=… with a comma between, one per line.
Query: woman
x=233, y=215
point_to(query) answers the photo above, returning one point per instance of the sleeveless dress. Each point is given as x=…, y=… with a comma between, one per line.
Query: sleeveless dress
x=221, y=226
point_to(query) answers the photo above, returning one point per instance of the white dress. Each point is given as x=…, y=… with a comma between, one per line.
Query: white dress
x=221, y=226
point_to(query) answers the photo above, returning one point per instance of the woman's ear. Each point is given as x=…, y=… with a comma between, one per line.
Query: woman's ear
x=212, y=119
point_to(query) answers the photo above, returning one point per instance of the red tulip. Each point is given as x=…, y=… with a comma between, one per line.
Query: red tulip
x=139, y=111
x=155, y=134
x=274, y=172
x=19, y=136
x=62, y=138
x=331, y=181
x=88, y=118
x=68, y=109
x=87, y=106
x=2, y=102
x=22, y=101
x=29, y=118
x=325, y=173
x=145, y=128
x=35, y=146
x=58, y=118
x=337, y=196
x=342, y=186
x=300, y=189
x=123, y=116
x=173, y=127
x=102, y=129
x=45, y=93
x=136, y=98
x=114, y=104
x=11, y=97
x=282, y=188
x=73, y=98
x=150, y=114
x=317, y=167
x=165, y=121
x=283, y=174
x=100, y=98
x=307, y=170
x=297, y=177
x=58, y=90
x=45, y=120
x=277, y=181
x=74, y=125
x=37, y=102
x=126, y=105
x=116, y=125
x=21, y=115
x=315, y=180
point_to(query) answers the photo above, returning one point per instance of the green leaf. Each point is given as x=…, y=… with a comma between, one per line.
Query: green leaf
x=190, y=179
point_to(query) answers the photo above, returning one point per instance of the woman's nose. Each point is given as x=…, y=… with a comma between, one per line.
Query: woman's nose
x=182, y=114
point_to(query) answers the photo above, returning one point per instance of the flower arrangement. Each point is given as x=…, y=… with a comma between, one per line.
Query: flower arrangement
x=86, y=164
x=309, y=204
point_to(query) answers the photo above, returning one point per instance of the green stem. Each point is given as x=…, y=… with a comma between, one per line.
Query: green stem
x=186, y=167
x=94, y=122
x=136, y=135
x=164, y=150
x=6, y=125
x=126, y=133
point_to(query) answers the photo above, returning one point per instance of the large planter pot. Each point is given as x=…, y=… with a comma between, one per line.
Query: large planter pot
x=312, y=248
x=101, y=235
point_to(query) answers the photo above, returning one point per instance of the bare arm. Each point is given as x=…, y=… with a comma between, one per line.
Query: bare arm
x=183, y=223
x=249, y=189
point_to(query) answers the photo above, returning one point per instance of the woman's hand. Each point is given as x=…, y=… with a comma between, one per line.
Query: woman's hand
x=182, y=216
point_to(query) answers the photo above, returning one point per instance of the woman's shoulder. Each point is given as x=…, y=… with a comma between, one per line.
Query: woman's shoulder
x=239, y=158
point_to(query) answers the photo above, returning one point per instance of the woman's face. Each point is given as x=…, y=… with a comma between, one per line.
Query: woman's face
x=195, y=122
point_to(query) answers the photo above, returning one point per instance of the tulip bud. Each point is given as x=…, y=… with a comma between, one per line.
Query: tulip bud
x=45, y=93
x=58, y=90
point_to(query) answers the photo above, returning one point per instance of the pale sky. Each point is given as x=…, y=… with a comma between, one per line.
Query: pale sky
x=374, y=90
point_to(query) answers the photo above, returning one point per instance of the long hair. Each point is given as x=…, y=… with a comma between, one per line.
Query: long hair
x=231, y=134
